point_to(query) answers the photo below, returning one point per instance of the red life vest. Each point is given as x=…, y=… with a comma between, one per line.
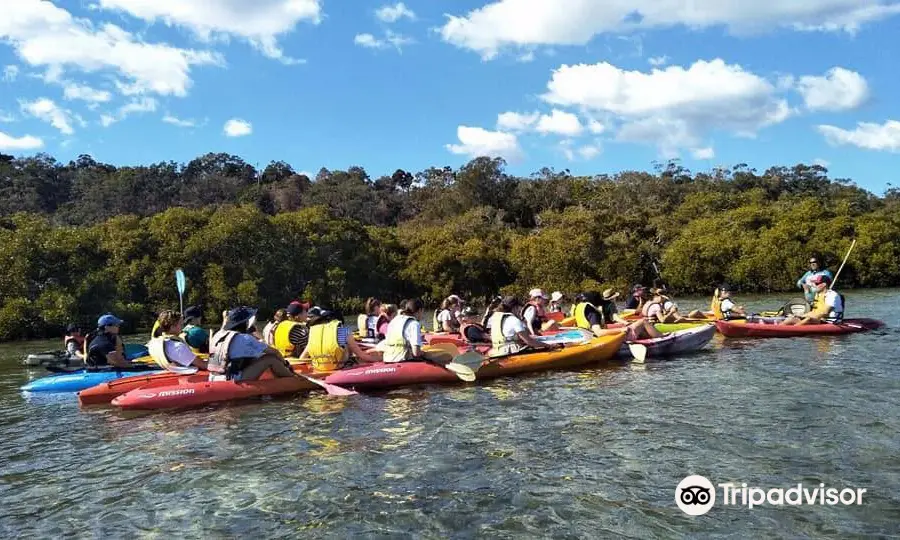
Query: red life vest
x=79, y=340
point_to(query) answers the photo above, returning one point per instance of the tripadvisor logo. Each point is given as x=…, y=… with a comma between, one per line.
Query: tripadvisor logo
x=695, y=495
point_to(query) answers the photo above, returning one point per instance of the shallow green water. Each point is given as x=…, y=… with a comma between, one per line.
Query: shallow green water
x=573, y=454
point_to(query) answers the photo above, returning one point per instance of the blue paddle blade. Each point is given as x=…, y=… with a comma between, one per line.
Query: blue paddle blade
x=180, y=281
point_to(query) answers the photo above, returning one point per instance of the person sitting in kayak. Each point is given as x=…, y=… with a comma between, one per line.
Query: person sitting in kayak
x=193, y=332
x=492, y=306
x=556, y=299
x=470, y=329
x=535, y=315
x=724, y=306
x=237, y=354
x=367, y=323
x=404, y=334
x=806, y=281
x=174, y=349
x=828, y=306
x=388, y=312
x=331, y=343
x=509, y=334
x=291, y=335
x=268, y=332
x=595, y=311
x=74, y=342
x=445, y=316
x=661, y=309
x=637, y=299
x=104, y=345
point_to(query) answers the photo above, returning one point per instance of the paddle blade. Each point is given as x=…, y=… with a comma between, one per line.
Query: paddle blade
x=464, y=373
x=330, y=388
x=639, y=352
x=180, y=281
x=470, y=359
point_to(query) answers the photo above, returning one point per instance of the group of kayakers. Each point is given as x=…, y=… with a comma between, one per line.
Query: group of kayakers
x=305, y=335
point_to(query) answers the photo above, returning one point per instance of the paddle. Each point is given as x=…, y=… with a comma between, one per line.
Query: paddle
x=639, y=352
x=332, y=390
x=847, y=256
x=181, y=284
x=464, y=372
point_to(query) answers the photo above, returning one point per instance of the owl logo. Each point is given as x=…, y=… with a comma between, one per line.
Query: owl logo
x=695, y=495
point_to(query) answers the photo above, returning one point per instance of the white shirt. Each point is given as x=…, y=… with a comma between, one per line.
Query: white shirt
x=668, y=304
x=512, y=326
x=654, y=310
x=530, y=314
x=179, y=353
x=412, y=333
x=726, y=305
x=833, y=300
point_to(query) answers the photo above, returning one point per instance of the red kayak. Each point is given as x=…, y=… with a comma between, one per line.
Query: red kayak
x=747, y=329
x=186, y=393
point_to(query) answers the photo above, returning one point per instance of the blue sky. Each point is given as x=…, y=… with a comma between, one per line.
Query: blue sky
x=596, y=87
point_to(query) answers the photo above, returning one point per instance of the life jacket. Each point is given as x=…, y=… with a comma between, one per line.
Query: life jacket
x=268, y=333
x=581, y=320
x=281, y=340
x=362, y=325
x=540, y=316
x=157, y=349
x=79, y=342
x=555, y=308
x=94, y=360
x=716, y=306
x=325, y=353
x=382, y=320
x=156, y=331
x=473, y=333
x=500, y=345
x=646, y=309
x=219, y=357
x=396, y=348
x=830, y=315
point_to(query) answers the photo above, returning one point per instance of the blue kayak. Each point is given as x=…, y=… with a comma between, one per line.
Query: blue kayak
x=81, y=380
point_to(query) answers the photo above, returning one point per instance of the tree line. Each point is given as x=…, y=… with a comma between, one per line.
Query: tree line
x=85, y=237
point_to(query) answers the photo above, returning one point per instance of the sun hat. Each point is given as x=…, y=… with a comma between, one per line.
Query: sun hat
x=556, y=296
x=537, y=293
x=610, y=294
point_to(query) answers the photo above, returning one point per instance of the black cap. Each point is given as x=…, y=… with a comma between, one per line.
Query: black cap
x=71, y=328
x=193, y=312
x=725, y=287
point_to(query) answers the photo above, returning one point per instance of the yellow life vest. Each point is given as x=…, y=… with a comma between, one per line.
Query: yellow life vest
x=500, y=345
x=396, y=348
x=716, y=306
x=325, y=353
x=581, y=320
x=157, y=349
x=156, y=331
x=362, y=325
x=281, y=341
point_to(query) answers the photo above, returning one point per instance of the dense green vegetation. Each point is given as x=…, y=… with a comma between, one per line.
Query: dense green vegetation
x=86, y=237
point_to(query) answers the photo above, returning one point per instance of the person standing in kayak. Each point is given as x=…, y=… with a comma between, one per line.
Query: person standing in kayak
x=509, y=333
x=829, y=305
x=74, y=342
x=806, y=281
x=535, y=314
x=174, y=350
x=331, y=343
x=105, y=346
x=291, y=335
x=237, y=354
x=403, y=340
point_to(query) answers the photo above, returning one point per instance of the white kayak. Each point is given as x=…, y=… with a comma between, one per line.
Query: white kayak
x=682, y=341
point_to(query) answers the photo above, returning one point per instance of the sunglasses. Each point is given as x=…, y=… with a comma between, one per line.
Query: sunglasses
x=813, y=262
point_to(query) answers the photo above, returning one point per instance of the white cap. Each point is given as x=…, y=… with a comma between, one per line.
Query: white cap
x=537, y=293
x=556, y=296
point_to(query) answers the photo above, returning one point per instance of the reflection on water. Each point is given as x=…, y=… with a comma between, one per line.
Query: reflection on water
x=587, y=454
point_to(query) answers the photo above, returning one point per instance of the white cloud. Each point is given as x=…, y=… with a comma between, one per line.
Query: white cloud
x=237, y=128
x=703, y=153
x=260, y=22
x=136, y=106
x=85, y=93
x=175, y=121
x=46, y=110
x=26, y=142
x=391, y=39
x=513, y=121
x=672, y=107
x=10, y=73
x=476, y=141
x=590, y=151
x=658, y=60
x=838, y=90
x=868, y=135
x=394, y=13
x=560, y=123
x=44, y=35
x=527, y=23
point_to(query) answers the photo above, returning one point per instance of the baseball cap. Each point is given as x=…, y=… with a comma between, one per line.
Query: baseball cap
x=556, y=296
x=109, y=319
x=610, y=294
x=71, y=328
x=537, y=293
x=821, y=278
x=637, y=288
x=296, y=308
